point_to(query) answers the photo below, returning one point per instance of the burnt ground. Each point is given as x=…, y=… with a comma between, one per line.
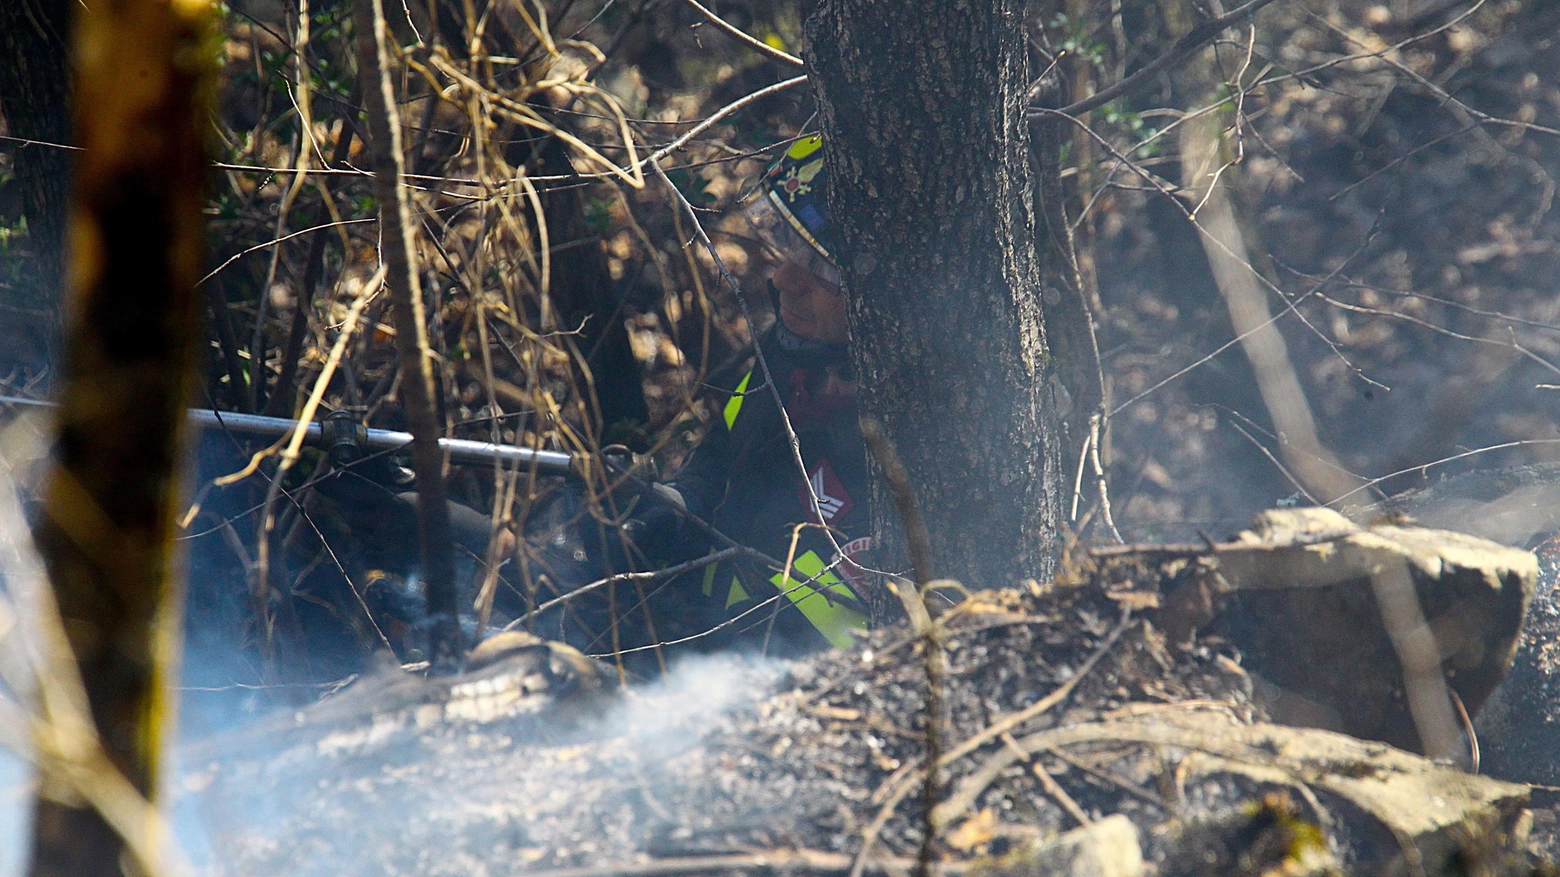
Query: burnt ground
x=746, y=766
x=732, y=756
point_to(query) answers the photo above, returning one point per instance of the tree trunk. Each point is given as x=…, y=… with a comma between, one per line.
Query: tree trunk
x=35, y=96
x=111, y=500
x=447, y=651
x=1211, y=175
x=922, y=114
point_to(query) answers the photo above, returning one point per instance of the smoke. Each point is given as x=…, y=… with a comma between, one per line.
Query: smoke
x=667, y=716
x=21, y=578
x=15, y=799
x=1513, y=518
x=459, y=795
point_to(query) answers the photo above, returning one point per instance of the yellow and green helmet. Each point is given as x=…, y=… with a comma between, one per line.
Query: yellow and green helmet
x=790, y=211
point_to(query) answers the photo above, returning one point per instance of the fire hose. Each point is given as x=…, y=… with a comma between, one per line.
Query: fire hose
x=342, y=435
x=347, y=440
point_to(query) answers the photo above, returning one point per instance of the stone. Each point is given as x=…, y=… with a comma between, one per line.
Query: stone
x=1299, y=601
x=1107, y=848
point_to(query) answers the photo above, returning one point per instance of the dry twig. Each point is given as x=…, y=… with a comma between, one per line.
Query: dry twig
x=417, y=387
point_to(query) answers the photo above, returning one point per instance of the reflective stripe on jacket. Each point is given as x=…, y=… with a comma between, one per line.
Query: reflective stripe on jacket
x=742, y=478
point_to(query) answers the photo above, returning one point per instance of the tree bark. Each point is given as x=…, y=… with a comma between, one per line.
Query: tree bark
x=923, y=118
x=411, y=334
x=112, y=497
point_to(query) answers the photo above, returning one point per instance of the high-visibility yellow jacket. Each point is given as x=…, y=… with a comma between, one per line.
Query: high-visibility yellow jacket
x=744, y=479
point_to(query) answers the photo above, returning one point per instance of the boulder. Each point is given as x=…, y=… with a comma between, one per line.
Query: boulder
x=1297, y=594
x=1519, y=724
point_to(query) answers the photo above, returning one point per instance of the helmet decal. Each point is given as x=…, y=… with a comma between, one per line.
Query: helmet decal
x=790, y=210
x=804, y=147
x=798, y=180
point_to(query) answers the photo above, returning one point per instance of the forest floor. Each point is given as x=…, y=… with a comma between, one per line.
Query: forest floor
x=1076, y=725
x=1418, y=249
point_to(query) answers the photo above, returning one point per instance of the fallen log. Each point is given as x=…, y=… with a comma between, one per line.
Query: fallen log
x=1519, y=724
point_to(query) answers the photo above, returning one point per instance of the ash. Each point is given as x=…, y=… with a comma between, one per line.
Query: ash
x=731, y=755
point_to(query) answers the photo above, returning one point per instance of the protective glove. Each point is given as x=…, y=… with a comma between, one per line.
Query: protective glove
x=656, y=529
x=377, y=502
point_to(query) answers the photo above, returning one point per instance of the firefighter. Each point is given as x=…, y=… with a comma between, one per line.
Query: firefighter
x=743, y=476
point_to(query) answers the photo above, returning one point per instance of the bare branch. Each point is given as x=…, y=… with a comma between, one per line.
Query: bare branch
x=719, y=114
x=1184, y=48
x=411, y=339
x=745, y=37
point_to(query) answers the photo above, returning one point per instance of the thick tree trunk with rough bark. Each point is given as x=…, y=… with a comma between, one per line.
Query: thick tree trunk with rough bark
x=113, y=495
x=922, y=111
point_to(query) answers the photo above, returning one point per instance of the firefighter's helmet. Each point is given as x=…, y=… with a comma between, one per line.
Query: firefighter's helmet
x=790, y=212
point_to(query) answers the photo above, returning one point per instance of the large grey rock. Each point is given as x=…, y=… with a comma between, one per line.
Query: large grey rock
x=1519, y=725
x=1297, y=594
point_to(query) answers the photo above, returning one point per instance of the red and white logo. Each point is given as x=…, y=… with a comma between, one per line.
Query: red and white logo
x=833, y=501
x=847, y=562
